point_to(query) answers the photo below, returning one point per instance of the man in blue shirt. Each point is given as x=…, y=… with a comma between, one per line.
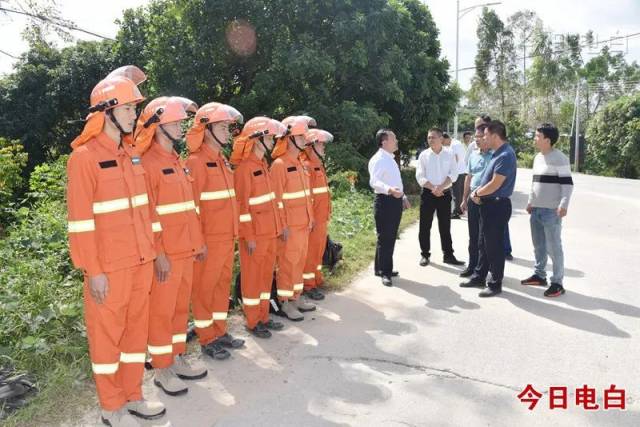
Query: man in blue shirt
x=477, y=162
x=493, y=196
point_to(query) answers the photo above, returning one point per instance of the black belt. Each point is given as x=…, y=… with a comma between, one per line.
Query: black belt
x=493, y=199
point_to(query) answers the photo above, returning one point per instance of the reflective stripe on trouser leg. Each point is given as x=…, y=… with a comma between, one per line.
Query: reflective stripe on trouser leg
x=253, y=270
x=181, y=315
x=267, y=279
x=211, y=286
x=291, y=258
x=162, y=312
x=315, y=252
x=117, y=335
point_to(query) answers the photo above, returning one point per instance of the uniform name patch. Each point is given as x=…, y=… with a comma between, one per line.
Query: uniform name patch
x=108, y=164
x=168, y=171
x=318, y=169
x=292, y=169
x=212, y=165
x=257, y=173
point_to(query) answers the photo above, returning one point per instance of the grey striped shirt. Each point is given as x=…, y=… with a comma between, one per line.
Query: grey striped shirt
x=552, y=184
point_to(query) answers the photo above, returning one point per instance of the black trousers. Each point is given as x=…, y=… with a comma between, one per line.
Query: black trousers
x=387, y=211
x=494, y=219
x=457, y=191
x=473, y=221
x=441, y=206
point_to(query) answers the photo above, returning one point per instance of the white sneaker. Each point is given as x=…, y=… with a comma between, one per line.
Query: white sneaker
x=169, y=382
x=291, y=312
x=188, y=371
x=119, y=418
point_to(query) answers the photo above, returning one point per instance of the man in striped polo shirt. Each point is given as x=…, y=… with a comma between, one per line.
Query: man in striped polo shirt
x=548, y=203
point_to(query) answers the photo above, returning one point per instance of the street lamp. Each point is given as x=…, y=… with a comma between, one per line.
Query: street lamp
x=459, y=14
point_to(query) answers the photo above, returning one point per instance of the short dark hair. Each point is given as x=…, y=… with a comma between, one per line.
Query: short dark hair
x=496, y=127
x=446, y=136
x=435, y=129
x=382, y=135
x=466, y=133
x=549, y=130
x=485, y=118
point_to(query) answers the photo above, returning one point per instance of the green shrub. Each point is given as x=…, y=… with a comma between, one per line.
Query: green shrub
x=12, y=161
x=48, y=180
x=411, y=186
x=40, y=292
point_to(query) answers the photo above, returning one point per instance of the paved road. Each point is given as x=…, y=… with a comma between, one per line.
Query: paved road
x=428, y=353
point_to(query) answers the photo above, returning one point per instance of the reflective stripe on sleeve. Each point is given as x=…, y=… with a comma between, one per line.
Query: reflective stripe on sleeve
x=258, y=200
x=175, y=207
x=132, y=357
x=81, y=226
x=218, y=195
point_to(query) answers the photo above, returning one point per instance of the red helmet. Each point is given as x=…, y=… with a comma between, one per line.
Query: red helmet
x=296, y=125
x=215, y=112
x=317, y=135
x=262, y=126
x=114, y=91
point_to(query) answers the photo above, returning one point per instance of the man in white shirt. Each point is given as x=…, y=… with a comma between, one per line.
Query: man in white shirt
x=386, y=182
x=459, y=153
x=437, y=170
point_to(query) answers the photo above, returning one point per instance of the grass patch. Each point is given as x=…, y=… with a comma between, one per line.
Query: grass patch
x=353, y=225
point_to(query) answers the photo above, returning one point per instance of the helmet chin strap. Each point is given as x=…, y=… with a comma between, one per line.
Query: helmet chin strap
x=313, y=147
x=293, y=139
x=169, y=137
x=267, y=154
x=214, y=136
x=113, y=119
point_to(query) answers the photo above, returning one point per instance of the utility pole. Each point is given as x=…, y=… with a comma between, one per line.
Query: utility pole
x=576, y=167
x=459, y=14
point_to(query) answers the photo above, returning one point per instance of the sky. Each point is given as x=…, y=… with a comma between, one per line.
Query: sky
x=606, y=18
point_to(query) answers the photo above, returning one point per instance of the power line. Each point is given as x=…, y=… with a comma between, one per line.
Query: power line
x=43, y=18
x=8, y=54
x=628, y=36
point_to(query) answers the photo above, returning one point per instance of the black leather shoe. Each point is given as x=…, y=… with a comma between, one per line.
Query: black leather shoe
x=466, y=273
x=473, y=283
x=314, y=294
x=424, y=261
x=273, y=325
x=452, y=260
x=260, y=331
x=215, y=351
x=393, y=274
x=387, y=281
x=228, y=341
x=508, y=257
x=490, y=292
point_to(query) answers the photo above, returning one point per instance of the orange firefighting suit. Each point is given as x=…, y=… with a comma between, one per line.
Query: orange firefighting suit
x=178, y=235
x=215, y=196
x=292, y=184
x=312, y=274
x=259, y=221
x=109, y=225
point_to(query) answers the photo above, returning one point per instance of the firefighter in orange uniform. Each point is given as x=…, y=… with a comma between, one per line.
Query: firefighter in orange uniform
x=215, y=197
x=111, y=240
x=316, y=141
x=178, y=241
x=260, y=221
x=292, y=184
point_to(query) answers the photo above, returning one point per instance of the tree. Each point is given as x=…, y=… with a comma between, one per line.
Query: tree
x=43, y=101
x=496, y=68
x=614, y=139
x=322, y=58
